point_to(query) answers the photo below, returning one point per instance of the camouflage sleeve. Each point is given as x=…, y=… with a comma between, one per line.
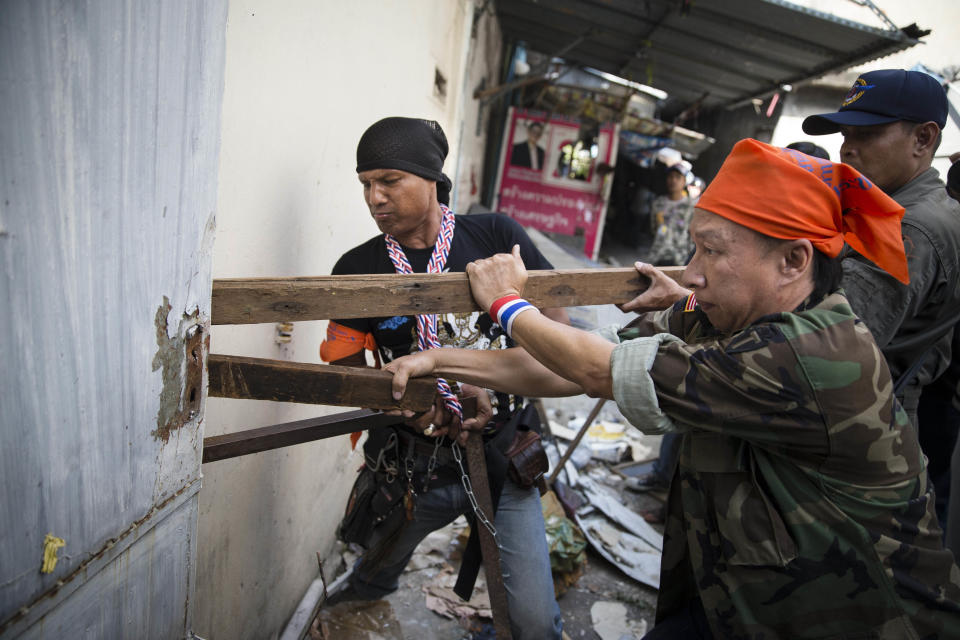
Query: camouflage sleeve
x=633, y=388
x=647, y=324
x=749, y=386
x=674, y=320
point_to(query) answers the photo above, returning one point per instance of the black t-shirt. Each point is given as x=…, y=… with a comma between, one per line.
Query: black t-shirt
x=476, y=236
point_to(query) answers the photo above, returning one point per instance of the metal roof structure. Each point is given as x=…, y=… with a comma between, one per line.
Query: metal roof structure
x=708, y=53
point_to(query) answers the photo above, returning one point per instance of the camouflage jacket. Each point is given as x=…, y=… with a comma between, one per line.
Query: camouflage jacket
x=800, y=507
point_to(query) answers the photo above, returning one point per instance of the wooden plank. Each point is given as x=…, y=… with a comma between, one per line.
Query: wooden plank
x=282, y=381
x=249, y=441
x=253, y=300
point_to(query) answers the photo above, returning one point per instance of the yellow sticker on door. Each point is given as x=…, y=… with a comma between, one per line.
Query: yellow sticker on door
x=51, y=544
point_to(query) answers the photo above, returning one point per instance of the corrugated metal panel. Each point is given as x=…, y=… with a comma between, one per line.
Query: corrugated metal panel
x=110, y=138
x=730, y=50
x=142, y=587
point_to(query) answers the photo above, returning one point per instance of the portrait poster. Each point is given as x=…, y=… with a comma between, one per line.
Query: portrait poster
x=548, y=176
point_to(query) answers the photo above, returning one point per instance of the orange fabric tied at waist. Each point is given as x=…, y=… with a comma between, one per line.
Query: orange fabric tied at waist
x=786, y=194
x=342, y=342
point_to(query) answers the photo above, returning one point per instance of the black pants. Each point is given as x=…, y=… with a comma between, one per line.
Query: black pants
x=938, y=422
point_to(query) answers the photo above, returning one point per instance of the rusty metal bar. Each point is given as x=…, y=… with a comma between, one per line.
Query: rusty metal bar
x=576, y=441
x=488, y=545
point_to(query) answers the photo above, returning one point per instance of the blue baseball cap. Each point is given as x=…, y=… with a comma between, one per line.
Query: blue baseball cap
x=879, y=97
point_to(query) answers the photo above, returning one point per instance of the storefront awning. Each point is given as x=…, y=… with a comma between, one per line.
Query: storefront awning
x=707, y=53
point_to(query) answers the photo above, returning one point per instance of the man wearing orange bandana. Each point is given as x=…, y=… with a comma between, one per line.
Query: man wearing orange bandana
x=800, y=506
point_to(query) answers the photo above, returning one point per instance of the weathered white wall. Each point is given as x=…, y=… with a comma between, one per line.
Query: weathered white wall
x=465, y=167
x=304, y=79
x=109, y=131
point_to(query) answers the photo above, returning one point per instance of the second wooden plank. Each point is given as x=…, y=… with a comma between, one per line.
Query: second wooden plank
x=282, y=381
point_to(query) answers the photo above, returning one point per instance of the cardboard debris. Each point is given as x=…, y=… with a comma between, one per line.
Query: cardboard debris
x=610, y=621
x=364, y=620
x=605, y=439
x=564, y=433
x=441, y=599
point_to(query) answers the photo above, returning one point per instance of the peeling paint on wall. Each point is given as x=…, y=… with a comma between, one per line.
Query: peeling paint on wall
x=182, y=360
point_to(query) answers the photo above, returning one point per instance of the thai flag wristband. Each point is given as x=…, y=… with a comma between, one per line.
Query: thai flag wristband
x=507, y=308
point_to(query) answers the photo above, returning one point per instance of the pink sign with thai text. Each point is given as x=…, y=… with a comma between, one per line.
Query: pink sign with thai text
x=548, y=176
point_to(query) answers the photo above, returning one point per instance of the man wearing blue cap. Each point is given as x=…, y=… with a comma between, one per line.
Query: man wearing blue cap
x=891, y=122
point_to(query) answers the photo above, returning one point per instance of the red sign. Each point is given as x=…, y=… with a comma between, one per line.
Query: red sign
x=548, y=175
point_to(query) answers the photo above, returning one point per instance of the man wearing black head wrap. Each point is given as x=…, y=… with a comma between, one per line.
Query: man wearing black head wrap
x=400, y=165
x=408, y=144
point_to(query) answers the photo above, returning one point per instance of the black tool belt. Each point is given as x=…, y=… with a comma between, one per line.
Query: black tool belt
x=401, y=464
x=424, y=448
x=397, y=453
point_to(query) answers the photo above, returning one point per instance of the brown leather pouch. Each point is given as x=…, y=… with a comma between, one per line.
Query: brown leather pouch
x=528, y=460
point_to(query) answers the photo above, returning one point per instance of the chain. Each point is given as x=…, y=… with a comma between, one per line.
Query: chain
x=432, y=462
x=408, y=468
x=381, y=462
x=468, y=488
x=431, y=465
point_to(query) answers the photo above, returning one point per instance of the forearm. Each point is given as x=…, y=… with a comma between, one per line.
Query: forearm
x=579, y=357
x=509, y=370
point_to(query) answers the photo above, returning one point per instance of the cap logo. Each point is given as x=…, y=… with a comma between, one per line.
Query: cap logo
x=856, y=92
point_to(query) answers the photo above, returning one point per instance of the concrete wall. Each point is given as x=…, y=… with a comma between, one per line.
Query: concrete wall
x=482, y=70
x=303, y=81
x=110, y=142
